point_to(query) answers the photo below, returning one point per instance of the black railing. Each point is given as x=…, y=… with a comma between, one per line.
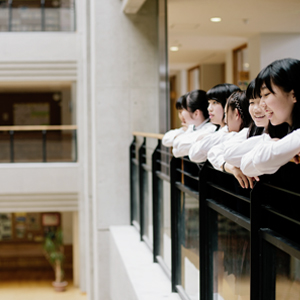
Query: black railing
x=240, y=243
x=38, y=143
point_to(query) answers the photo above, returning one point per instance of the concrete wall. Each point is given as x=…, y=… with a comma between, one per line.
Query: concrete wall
x=118, y=80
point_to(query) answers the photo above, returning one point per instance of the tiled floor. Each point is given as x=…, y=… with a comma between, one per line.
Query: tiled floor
x=37, y=290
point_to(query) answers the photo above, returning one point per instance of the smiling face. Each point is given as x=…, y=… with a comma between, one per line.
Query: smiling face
x=216, y=112
x=278, y=106
x=257, y=113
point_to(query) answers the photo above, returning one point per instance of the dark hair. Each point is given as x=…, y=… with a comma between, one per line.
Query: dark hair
x=178, y=103
x=221, y=92
x=251, y=94
x=239, y=101
x=284, y=73
x=196, y=100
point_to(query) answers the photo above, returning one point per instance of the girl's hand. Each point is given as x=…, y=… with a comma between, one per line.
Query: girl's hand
x=244, y=181
x=296, y=159
x=184, y=126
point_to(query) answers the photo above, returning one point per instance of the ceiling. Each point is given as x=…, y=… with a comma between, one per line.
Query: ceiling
x=202, y=41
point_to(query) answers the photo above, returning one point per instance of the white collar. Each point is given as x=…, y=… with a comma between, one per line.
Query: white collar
x=201, y=125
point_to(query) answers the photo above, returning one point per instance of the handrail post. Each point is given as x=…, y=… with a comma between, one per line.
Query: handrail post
x=175, y=217
x=11, y=132
x=10, y=15
x=156, y=201
x=131, y=156
x=43, y=15
x=206, y=283
x=44, y=145
x=142, y=160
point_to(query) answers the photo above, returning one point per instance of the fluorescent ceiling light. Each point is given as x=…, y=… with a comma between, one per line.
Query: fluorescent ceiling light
x=174, y=48
x=216, y=19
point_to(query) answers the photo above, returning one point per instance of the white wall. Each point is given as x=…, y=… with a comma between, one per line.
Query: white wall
x=37, y=46
x=278, y=46
x=254, y=55
x=264, y=48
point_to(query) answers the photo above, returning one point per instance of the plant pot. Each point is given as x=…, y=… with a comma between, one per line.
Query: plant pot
x=59, y=286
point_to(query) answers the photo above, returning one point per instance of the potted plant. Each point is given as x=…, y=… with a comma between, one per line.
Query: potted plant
x=54, y=252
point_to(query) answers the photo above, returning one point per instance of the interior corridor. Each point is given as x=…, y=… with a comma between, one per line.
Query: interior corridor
x=36, y=290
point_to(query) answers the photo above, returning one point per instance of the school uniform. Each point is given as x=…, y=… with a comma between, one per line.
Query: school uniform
x=233, y=152
x=198, y=151
x=269, y=155
x=183, y=142
x=216, y=154
x=170, y=136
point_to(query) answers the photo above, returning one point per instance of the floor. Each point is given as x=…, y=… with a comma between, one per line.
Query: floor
x=36, y=290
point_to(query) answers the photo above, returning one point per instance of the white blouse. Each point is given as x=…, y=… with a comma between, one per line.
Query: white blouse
x=183, y=142
x=170, y=136
x=216, y=154
x=234, y=152
x=198, y=151
x=268, y=156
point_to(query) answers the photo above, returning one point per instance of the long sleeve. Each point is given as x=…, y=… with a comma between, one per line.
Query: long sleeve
x=198, y=151
x=170, y=136
x=216, y=154
x=182, y=143
x=268, y=156
x=234, y=151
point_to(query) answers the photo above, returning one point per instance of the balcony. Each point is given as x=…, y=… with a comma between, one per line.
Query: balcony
x=37, y=15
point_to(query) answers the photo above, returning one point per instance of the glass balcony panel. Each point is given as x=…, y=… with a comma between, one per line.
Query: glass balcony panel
x=190, y=245
x=31, y=16
x=165, y=222
x=231, y=261
x=136, y=202
x=60, y=146
x=28, y=147
x=287, y=276
x=5, y=147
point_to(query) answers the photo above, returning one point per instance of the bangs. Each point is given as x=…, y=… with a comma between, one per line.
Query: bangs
x=250, y=92
x=184, y=102
x=264, y=77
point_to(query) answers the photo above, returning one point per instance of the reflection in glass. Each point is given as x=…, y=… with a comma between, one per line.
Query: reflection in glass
x=231, y=261
x=136, y=202
x=165, y=222
x=148, y=224
x=287, y=276
x=190, y=245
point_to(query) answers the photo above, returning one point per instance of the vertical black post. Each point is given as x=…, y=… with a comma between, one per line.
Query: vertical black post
x=75, y=145
x=43, y=15
x=206, y=276
x=255, y=224
x=9, y=15
x=268, y=258
x=142, y=160
x=131, y=167
x=175, y=217
x=156, y=201
x=12, y=159
x=44, y=145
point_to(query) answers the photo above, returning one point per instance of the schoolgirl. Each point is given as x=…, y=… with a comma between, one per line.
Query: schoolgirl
x=279, y=88
x=169, y=136
x=216, y=97
x=237, y=119
x=196, y=117
x=227, y=155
